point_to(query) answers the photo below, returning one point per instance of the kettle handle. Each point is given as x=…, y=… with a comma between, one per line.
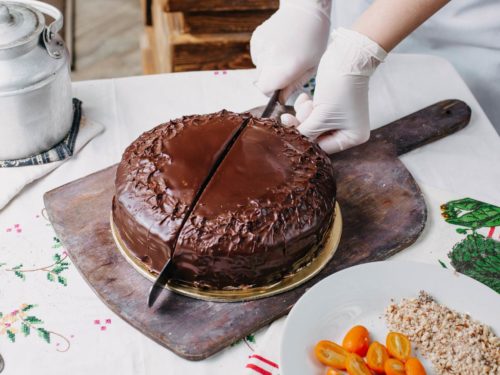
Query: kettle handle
x=51, y=10
x=50, y=32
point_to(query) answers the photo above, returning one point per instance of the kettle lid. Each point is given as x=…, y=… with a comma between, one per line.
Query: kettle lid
x=19, y=24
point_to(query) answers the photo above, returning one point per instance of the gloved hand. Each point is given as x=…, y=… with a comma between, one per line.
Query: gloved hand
x=286, y=48
x=338, y=117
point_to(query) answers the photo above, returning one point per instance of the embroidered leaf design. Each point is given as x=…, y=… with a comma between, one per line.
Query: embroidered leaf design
x=1, y=315
x=57, y=244
x=251, y=338
x=478, y=257
x=471, y=213
x=27, y=325
x=25, y=329
x=27, y=307
x=11, y=335
x=442, y=263
x=52, y=271
x=58, y=269
x=2, y=264
x=62, y=280
x=18, y=272
x=33, y=320
x=44, y=334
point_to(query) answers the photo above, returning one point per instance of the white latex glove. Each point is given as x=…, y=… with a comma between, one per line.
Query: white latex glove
x=287, y=48
x=338, y=117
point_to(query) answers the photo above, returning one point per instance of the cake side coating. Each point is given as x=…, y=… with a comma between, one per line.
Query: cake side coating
x=262, y=216
x=158, y=177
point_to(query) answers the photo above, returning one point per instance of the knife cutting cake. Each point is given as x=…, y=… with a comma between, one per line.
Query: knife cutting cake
x=239, y=201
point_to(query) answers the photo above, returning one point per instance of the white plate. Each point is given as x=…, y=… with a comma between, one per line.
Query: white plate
x=360, y=294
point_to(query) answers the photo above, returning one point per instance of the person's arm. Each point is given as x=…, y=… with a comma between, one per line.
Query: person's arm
x=338, y=117
x=388, y=22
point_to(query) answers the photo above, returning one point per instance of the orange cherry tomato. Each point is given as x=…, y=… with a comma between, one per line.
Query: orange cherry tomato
x=332, y=371
x=414, y=367
x=398, y=346
x=355, y=365
x=357, y=340
x=376, y=357
x=331, y=354
x=394, y=367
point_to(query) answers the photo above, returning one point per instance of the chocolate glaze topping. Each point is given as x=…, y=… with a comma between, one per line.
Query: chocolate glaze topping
x=264, y=213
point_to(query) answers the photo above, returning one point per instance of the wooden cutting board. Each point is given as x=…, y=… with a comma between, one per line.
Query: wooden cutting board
x=382, y=208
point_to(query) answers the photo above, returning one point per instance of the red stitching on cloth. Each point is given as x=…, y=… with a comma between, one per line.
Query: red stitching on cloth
x=490, y=233
x=270, y=363
x=258, y=369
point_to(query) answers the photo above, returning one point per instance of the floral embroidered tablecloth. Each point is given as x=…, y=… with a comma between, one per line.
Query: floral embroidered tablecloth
x=52, y=323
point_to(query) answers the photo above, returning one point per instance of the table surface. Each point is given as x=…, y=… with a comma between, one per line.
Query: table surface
x=85, y=336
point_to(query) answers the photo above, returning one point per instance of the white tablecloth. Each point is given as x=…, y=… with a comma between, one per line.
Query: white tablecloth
x=85, y=336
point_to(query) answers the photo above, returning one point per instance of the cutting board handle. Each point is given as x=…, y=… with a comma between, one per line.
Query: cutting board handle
x=424, y=126
x=410, y=132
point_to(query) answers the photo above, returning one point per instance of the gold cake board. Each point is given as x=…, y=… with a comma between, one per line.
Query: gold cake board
x=247, y=294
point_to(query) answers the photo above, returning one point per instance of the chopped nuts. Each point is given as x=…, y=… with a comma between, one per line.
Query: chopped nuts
x=453, y=342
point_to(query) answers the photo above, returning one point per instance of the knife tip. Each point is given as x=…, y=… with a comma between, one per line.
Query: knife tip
x=157, y=286
x=152, y=296
x=150, y=302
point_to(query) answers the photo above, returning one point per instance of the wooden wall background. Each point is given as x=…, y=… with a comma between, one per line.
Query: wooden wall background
x=107, y=34
x=185, y=35
x=116, y=38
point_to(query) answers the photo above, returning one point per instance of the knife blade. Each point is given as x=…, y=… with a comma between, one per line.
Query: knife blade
x=271, y=104
x=160, y=282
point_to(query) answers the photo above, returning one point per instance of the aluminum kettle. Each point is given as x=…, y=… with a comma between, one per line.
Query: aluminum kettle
x=36, y=108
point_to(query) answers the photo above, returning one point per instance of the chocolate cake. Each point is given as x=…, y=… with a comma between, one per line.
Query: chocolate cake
x=238, y=201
